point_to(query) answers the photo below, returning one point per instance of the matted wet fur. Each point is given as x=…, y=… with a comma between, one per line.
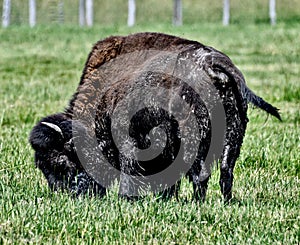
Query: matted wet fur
x=53, y=140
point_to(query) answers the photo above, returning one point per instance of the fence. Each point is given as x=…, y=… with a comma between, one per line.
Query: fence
x=82, y=12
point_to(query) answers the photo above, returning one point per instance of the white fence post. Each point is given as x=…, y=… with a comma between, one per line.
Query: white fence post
x=89, y=12
x=272, y=11
x=177, y=15
x=61, y=16
x=131, y=13
x=226, y=12
x=32, y=13
x=6, y=13
x=81, y=13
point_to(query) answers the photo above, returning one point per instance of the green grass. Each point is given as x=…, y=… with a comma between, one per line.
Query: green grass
x=40, y=69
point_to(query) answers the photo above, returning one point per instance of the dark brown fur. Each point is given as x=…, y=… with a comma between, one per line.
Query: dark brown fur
x=108, y=80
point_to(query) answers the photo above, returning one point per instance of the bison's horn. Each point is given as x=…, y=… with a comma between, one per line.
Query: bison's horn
x=53, y=126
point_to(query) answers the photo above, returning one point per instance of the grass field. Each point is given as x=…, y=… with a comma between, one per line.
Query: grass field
x=40, y=69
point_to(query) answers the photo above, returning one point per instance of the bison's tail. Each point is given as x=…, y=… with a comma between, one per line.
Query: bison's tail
x=259, y=102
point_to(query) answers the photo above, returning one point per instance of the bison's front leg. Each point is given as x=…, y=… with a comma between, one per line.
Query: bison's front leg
x=131, y=179
x=169, y=192
x=133, y=184
x=200, y=189
x=83, y=184
x=128, y=187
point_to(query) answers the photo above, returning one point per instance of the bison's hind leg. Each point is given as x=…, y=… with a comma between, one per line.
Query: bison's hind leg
x=230, y=154
x=199, y=184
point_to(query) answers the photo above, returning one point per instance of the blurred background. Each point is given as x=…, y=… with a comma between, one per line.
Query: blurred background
x=115, y=12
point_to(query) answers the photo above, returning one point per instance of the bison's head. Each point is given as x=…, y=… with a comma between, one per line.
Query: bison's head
x=55, y=153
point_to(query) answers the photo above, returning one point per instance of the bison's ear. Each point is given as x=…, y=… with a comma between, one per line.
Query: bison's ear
x=47, y=135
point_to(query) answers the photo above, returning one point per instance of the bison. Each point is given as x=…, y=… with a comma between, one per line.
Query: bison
x=150, y=108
